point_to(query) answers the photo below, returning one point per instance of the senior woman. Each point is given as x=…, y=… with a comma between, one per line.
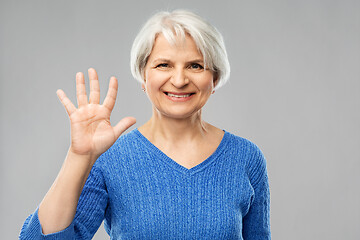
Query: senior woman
x=176, y=176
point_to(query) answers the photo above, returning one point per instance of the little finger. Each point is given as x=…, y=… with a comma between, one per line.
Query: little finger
x=69, y=106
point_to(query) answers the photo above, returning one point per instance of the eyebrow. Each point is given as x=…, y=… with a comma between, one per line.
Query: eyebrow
x=198, y=60
x=161, y=60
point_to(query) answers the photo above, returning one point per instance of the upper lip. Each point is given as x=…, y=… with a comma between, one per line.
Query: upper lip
x=179, y=93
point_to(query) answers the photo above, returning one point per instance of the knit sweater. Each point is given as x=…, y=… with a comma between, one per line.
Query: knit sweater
x=141, y=193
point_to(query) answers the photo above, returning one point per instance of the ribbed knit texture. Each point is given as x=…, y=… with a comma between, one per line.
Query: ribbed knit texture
x=143, y=194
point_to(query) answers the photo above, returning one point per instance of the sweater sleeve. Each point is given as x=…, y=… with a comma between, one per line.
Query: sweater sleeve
x=256, y=223
x=90, y=213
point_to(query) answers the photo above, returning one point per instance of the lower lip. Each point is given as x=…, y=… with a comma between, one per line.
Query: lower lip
x=179, y=99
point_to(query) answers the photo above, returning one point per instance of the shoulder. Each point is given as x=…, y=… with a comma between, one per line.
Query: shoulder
x=244, y=145
x=254, y=158
x=125, y=145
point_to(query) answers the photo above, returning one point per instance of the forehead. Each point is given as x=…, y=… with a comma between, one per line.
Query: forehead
x=181, y=48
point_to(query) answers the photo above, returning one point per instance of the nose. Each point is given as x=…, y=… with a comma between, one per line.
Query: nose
x=179, y=79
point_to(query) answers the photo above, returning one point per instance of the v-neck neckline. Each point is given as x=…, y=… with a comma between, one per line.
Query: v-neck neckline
x=190, y=171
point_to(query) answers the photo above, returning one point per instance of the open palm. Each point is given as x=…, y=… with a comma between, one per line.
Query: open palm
x=91, y=131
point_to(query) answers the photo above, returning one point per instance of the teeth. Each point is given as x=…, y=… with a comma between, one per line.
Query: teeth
x=178, y=96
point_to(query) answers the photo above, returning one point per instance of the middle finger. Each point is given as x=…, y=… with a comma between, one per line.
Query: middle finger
x=94, y=87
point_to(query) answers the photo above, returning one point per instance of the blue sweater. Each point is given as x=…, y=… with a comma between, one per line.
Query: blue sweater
x=141, y=193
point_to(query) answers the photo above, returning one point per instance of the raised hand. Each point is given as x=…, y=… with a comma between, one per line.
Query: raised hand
x=91, y=131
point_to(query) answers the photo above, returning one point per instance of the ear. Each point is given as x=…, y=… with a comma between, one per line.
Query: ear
x=144, y=76
x=216, y=79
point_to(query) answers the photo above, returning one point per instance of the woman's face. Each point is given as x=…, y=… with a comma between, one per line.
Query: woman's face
x=175, y=79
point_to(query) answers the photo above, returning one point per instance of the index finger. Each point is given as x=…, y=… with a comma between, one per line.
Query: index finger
x=110, y=99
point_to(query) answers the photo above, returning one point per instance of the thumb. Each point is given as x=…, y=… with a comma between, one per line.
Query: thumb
x=123, y=124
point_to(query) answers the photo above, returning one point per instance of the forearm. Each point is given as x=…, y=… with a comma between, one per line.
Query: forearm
x=58, y=208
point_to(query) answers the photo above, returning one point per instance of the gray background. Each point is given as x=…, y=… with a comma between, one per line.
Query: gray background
x=294, y=91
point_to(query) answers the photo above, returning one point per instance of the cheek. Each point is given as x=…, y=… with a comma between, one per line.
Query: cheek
x=206, y=83
x=154, y=81
x=155, y=75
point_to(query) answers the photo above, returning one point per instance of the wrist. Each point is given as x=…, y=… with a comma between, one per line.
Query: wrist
x=83, y=157
x=79, y=162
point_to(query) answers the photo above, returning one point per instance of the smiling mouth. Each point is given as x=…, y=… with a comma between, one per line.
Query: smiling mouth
x=179, y=95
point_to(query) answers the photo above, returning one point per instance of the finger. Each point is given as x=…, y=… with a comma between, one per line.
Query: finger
x=80, y=89
x=110, y=98
x=69, y=106
x=124, y=124
x=94, y=87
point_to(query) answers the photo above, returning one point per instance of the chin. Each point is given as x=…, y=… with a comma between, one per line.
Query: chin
x=181, y=114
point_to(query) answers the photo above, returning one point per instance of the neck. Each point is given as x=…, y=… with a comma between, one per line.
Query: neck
x=174, y=130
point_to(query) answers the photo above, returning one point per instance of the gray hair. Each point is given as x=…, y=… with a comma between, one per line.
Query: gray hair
x=178, y=23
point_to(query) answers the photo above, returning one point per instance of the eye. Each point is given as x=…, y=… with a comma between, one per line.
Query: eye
x=196, y=66
x=162, y=65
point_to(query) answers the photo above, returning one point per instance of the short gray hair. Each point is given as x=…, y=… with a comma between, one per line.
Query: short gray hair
x=177, y=24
